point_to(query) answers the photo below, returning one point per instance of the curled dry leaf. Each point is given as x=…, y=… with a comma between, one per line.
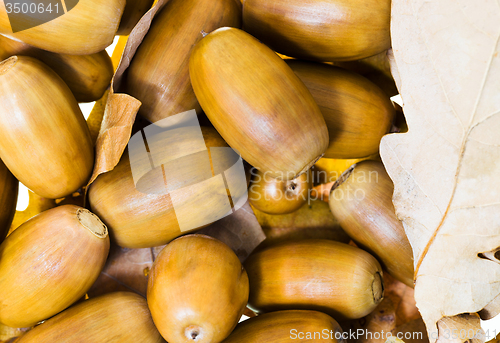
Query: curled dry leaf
x=120, y=109
x=445, y=169
x=462, y=328
x=491, y=310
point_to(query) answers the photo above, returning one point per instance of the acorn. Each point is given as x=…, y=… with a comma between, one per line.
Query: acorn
x=197, y=290
x=50, y=262
x=133, y=12
x=257, y=104
x=356, y=111
x=45, y=141
x=8, y=199
x=121, y=317
x=142, y=219
x=88, y=76
x=283, y=326
x=315, y=274
x=312, y=220
x=158, y=75
x=331, y=30
x=78, y=27
x=274, y=196
x=361, y=199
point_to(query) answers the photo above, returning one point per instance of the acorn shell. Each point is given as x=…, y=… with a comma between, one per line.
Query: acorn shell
x=133, y=12
x=315, y=274
x=159, y=73
x=257, y=104
x=8, y=199
x=116, y=317
x=88, y=76
x=273, y=196
x=45, y=141
x=197, y=290
x=282, y=326
x=87, y=28
x=356, y=111
x=330, y=30
x=50, y=262
x=141, y=220
x=362, y=202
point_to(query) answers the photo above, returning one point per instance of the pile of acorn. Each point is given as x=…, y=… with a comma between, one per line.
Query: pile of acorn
x=295, y=86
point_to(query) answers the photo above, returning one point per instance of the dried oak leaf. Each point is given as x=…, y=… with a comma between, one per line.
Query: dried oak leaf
x=446, y=168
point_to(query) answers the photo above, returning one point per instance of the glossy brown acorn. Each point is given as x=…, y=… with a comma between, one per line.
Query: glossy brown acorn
x=87, y=76
x=331, y=30
x=362, y=202
x=8, y=199
x=356, y=111
x=197, y=290
x=45, y=141
x=315, y=274
x=284, y=326
x=140, y=220
x=159, y=73
x=120, y=317
x=257, y=104
x=48, y=263
x=133, y=12
x=81, y=27
x=274, y=196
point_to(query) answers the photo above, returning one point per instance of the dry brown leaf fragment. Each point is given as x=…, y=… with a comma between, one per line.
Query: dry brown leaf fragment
x=373, y=328
x=403, y=298
x=491, y=310
x=445, y=169
x=412, y=332
x=462, y=328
